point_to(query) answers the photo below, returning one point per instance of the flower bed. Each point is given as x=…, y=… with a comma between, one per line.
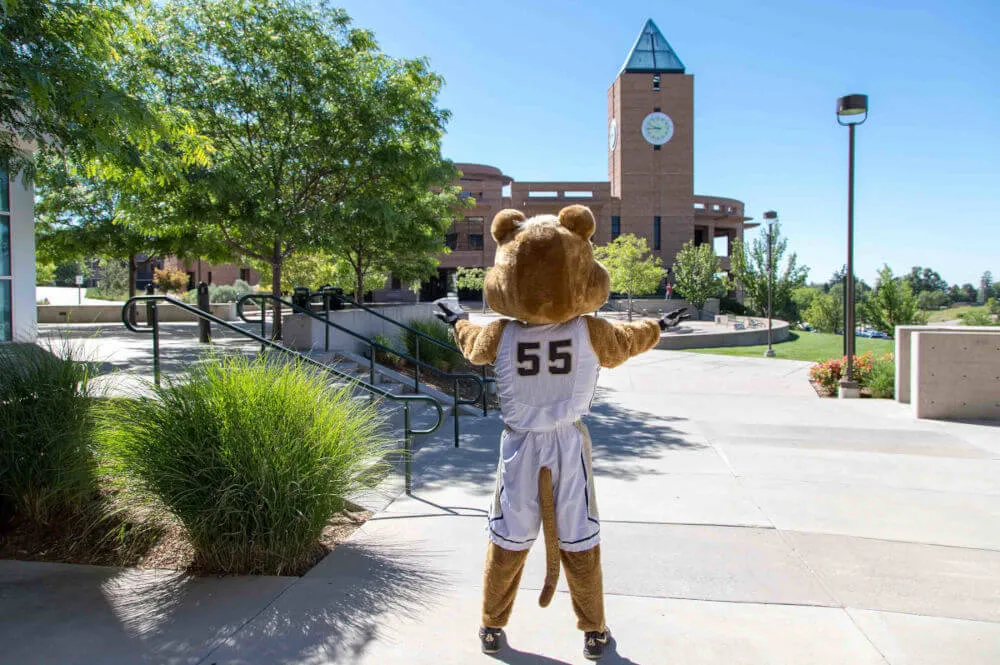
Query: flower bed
x=875, y=375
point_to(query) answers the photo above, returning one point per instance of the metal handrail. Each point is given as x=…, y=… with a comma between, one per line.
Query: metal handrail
x=153, y=327
x=327, y=293
x=372, y=345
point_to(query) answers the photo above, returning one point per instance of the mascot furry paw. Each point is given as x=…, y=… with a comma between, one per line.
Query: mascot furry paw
x=547, y=357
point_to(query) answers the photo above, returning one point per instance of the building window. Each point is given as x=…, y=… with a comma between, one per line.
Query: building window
x=6, y=295
x=245, y=274
x=396, y=284
x=656, y=147
x=616, y=226
x=209, y=276
x=656, y=233
x=475, y=241
x=451, y=241
x=656, y=81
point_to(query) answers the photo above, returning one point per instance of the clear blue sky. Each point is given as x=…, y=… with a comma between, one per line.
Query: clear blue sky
x=526, y=83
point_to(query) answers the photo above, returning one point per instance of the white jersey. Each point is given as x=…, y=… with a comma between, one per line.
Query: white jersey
x=546, y=374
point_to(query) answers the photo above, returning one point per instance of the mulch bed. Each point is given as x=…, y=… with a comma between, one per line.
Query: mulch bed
x=164, y=548
x=466, y=388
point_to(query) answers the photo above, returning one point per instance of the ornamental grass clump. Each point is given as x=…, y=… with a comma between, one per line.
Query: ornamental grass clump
x=431, y=353
x=47, y=467
x=251, y=458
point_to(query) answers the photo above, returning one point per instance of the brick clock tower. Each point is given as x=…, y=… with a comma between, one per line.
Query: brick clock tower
x=651, y=146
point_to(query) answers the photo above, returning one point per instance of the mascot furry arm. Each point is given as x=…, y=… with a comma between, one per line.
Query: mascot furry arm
x=614, y=343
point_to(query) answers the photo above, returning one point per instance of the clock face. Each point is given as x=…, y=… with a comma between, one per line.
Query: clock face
x=657, y=128
x=612, y=134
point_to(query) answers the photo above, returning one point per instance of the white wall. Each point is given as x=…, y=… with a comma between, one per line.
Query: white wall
x=23, y=259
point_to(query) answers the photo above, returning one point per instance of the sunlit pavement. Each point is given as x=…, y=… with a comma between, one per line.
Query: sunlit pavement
x=744, y=520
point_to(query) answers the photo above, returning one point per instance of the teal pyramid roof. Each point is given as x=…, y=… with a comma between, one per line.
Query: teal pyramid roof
x=651, y=53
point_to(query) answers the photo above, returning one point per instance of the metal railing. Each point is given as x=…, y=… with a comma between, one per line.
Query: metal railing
x=327, y=294
x=455, y=378
x=152, y=326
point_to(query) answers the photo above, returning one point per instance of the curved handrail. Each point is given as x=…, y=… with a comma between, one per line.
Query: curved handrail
x=249, y=297
x=405, y=399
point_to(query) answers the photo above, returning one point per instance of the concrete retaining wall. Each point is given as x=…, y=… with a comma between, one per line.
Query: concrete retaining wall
x=948, y=372
x=748, y=337
x=306, y=334
x=112, y=313
x=903, y=338
x=955, y=375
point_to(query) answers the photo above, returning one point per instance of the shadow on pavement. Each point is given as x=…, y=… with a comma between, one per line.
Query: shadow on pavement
x=337, y=614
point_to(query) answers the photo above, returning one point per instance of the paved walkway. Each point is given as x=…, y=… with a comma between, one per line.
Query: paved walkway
x=745, y=521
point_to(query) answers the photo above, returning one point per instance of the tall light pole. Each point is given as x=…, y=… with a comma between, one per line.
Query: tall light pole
x=770, y=217
x=852, y=110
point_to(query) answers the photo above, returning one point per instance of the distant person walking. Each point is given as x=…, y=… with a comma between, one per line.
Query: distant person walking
x=670, y=291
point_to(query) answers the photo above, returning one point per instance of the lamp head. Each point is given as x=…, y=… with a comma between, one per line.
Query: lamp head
x=851, y=106
x=771, y=216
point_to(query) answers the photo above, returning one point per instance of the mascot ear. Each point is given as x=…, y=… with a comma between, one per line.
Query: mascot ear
x=579, y=220
x=505, y=223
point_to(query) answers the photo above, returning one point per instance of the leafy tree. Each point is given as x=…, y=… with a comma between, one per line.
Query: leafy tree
x=993, y=305
x=696, y=274
x=113, y=277
x=45, y=273
x=316, y=269
x=932, y=300
x=314, y=132
x=471, y=279
x=922, y=279
x=750, y=272
x=985, y=285
x=633, y=272
x=802, y=299
x=56, y=85
x=892, y=304
x=825, y=313
x=65, y=273
x=87, y=217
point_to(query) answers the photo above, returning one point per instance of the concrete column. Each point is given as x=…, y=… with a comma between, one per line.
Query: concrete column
x=711, y=238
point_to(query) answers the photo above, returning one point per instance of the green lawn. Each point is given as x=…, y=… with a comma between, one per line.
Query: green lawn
x=815, y=347
x=952, y=313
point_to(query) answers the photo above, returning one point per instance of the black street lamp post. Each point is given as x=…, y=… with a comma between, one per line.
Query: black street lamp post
x=770, y=217
x=852, y=110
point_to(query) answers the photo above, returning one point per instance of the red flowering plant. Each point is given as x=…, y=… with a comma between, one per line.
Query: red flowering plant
x=827, y=374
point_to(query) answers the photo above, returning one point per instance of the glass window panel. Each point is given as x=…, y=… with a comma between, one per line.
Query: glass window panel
x=5, y=245
x=6, y=327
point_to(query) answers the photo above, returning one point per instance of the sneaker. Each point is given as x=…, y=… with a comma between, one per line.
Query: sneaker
x=594, y=643
x=489, y=638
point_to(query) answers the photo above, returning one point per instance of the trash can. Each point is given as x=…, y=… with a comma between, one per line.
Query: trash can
x=301, y=297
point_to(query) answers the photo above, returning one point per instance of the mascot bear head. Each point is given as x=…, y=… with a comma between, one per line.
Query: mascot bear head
x=545, y=270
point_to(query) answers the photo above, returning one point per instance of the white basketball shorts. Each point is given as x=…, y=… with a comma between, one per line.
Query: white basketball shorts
x=515, y=516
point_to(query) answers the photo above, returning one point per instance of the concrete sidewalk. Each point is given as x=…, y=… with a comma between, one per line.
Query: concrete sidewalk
x=744, y=521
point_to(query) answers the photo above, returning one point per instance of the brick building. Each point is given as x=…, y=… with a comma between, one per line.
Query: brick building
x=650, y=186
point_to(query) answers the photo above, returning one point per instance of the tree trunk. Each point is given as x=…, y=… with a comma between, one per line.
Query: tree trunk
x=630, y=306
x=132, y=270
x=359, y=285
x=276, y=291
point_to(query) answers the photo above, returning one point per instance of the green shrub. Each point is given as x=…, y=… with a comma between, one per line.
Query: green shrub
x=252, y=458
x=384, y=357
x=47, y=467
x=242, y=287
x=223, y=293
x=438, y=356
x=976, y=317
x=882, y=379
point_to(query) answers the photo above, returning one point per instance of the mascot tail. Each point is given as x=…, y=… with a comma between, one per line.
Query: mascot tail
x=548, y=506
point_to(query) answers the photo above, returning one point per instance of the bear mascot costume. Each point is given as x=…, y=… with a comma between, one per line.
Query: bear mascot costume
x=546, y=357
